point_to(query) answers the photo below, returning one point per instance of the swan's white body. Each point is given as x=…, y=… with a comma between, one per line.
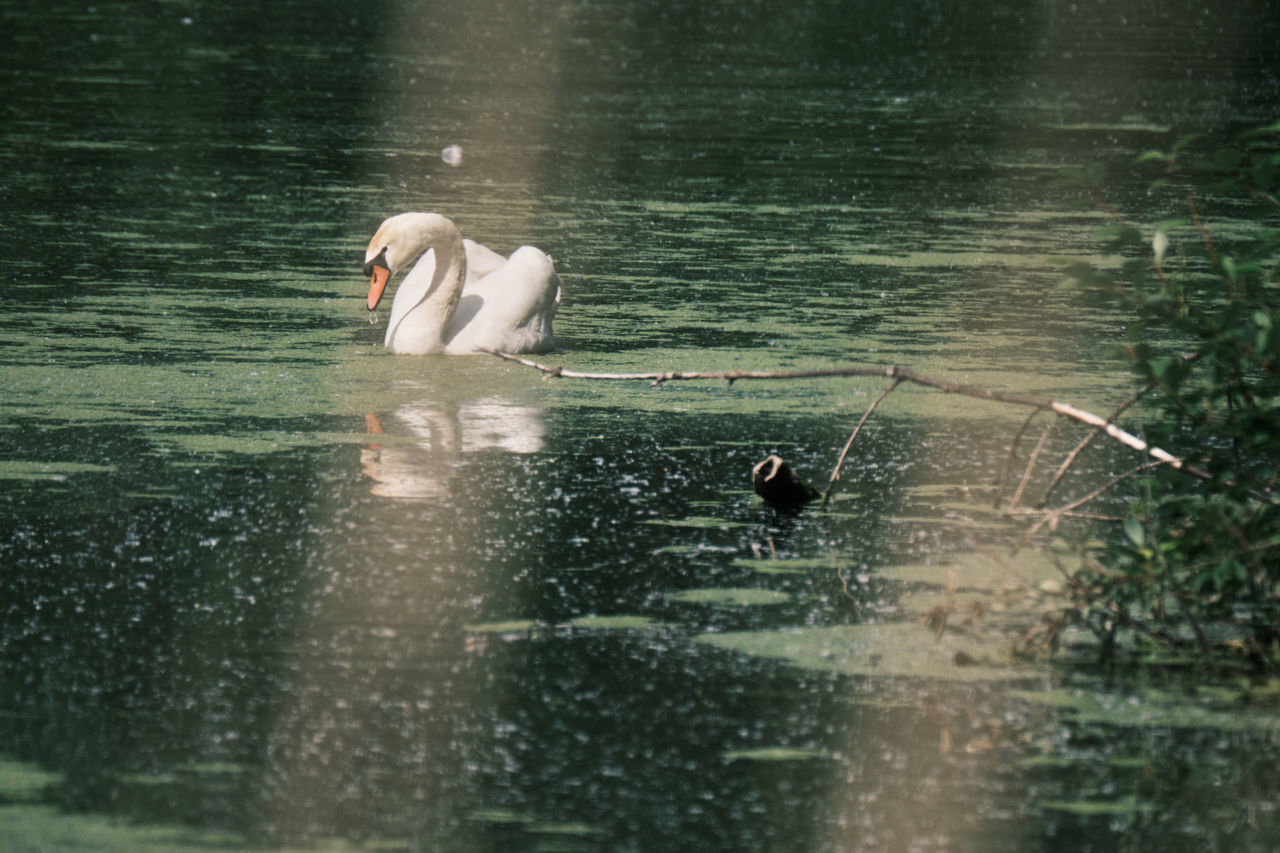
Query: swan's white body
x=460, y=296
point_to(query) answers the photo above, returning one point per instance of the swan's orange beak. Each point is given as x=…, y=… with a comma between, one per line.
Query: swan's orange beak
x=378, y=273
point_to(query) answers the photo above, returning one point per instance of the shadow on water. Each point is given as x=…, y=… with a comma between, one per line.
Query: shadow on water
x=264, y=585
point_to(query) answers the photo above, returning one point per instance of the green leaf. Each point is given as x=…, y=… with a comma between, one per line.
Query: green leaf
x=730, y=597
x=1135, y=270
x=1227, y=159
x=1134, y=530
x=1160, y=366
x=1118, y=236
x=1084, y=274
x=1261, y=131
x=1168, y=226
x=1153, y=155
x=1263, y=172
x=1185, y=140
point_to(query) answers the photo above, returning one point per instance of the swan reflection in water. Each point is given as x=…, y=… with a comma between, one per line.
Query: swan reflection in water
x=423, y=442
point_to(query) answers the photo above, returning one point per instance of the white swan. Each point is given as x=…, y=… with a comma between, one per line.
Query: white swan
x=460, y=296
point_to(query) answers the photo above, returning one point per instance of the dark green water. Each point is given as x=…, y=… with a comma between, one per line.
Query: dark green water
x=232, y=617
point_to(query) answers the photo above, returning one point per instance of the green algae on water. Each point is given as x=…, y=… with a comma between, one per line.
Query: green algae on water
x=730, y=597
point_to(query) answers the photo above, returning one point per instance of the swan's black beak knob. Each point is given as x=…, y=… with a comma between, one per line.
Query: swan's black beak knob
x=378, y=273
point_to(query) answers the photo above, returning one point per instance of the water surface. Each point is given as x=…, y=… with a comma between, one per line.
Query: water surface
x=266, y=585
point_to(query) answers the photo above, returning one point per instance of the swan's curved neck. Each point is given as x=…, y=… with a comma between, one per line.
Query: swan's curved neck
x=435, y=309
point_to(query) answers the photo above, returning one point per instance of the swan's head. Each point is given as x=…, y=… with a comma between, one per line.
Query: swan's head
x=379, y=272
x=385, y=255
x=398, y=241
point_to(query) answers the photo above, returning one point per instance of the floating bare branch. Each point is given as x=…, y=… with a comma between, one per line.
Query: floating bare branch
x=900, y=374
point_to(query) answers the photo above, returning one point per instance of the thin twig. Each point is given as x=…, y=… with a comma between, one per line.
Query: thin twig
x=1206, y=647
x=1202, y=639
x=1170, y=643
x=1013, y=451
x=996, y=559
x=1204, y=232
x=1040, y=513
x=1254, y=191
x=835, y=473
x=1050, y=515
x=1100, y=200
x=1249, y=551
x=845, y=583
x=1031, y=462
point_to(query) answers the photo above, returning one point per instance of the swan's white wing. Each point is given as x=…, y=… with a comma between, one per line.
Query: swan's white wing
x=481, y=260
x=509, y=309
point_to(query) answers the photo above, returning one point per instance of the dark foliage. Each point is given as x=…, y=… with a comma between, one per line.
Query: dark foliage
x=1197, y=559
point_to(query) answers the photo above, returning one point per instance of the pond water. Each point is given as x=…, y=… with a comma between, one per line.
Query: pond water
x=266, y=585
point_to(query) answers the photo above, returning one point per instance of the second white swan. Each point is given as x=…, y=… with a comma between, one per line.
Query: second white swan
x=460, y=296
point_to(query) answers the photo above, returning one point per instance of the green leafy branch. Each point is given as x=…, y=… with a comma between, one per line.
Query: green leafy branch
x=1201, y=287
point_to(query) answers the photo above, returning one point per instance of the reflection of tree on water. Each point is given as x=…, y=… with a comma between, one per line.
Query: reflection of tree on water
x=426, y=440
